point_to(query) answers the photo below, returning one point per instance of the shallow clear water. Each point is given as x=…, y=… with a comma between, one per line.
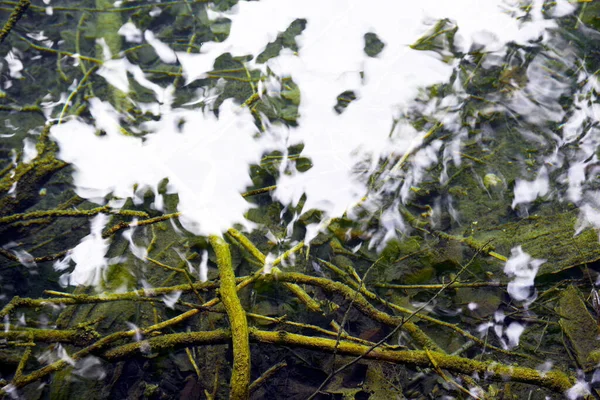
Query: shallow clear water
x=408, y=193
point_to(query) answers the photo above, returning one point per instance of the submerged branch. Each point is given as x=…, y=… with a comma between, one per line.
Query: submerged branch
x=240, y=375
x=369, y=310
x=441, y=285
x=124, y=225
x=14, y=17
x=554, y=380
x=51, y=257
x=79, y=337
x=266, y=376
x=69, y=213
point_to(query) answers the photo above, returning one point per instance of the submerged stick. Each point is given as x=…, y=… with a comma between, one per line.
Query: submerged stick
x=15, y=16
x=69, y=213
x=554, y=380
x=240, y=375
x=267, y=375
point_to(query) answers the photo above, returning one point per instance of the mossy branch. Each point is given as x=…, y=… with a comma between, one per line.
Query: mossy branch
x=78, y=337
x=26, y=181
x=126, y=225
x=136, y=295
x=259, y=191
x=359, y=302
x=69, y=213
x=243, y=242
x=553, y=380
x=51, y=257
x=435, y=286
x=14, y=17
x=369, y=310
x=59, y=52
x=240, y=375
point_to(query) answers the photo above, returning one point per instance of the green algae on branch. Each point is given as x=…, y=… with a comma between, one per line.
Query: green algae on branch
x=14, y=17
x=300, y=294
x=370, y=311
x=69, y=213
x=440, y=285
x=100, y=345
x=73, y=299
x=170, y=342
x=553, y=380
x=125, y=225
x=360, y=303
x=79, y=337
x=240, y=375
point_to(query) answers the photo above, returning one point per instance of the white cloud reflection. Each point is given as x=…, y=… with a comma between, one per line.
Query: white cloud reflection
x=206, y=159
x=522, y=268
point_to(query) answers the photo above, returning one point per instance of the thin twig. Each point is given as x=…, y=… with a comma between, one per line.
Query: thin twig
x=393, y=332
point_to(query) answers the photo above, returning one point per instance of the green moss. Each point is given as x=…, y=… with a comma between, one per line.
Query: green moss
x=420, y=276
x=548, y=236
x=578, y=326
x=14, y=17
x=240, y=375
x=491, y=181
x=590, y=14
x=291, y=92
x=220, y=28
x=150, y=390
x=345, y=229
x=458, y=191
x=107, y=27
x=594, y=357
x=392, y=251
x=118, y=277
